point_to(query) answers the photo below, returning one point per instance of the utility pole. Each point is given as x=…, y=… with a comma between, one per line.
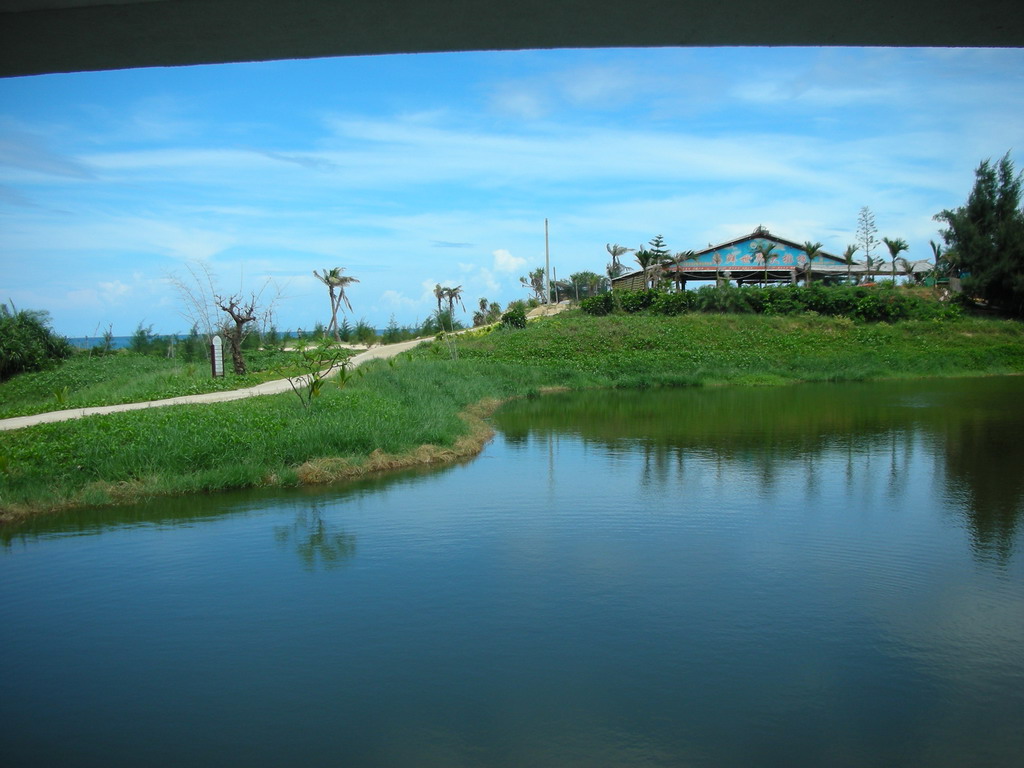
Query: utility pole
x=547, y=266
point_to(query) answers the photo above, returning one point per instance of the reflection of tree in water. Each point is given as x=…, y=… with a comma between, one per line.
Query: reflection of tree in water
x=984, y=475
x=867, y=432
x=315, y=540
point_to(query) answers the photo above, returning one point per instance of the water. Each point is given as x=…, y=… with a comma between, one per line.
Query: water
x=820, y=575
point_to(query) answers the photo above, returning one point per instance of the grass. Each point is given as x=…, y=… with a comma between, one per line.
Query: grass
x=639, y=350
x=420, y=408
x=124, y=377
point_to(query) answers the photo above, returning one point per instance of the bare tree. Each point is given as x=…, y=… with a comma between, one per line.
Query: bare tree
x=242, y=313
x=204, y=302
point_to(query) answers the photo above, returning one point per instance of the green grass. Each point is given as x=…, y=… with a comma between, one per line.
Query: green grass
x=395, y=408
x=643, y=350
x=124, y=377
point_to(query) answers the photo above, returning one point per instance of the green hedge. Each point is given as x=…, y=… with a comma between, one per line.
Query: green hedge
x=864, y=304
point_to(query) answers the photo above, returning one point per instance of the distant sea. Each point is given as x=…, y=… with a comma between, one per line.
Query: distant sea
x=123, y=342
x=88, y=342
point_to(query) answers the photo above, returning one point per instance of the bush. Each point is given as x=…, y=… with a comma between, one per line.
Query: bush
x=857, y=302
x=598, y=305
x=514, y=318
x=673, y=303
x=365, y=333
x=27, y=343
x=635, y=301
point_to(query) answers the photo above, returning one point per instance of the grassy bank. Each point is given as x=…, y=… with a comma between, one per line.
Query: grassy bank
x=385, y=418
x=85, y=381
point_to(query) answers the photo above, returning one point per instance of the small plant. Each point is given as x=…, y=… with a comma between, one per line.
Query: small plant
x=318, y=362
x=61, y=395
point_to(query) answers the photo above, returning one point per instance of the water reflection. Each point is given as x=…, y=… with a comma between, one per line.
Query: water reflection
x=316, y=541
x=867, y=435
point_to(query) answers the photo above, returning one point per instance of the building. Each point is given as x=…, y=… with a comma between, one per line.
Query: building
x=741, y=261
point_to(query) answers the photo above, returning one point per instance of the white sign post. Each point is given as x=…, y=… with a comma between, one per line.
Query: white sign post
x=216, y=357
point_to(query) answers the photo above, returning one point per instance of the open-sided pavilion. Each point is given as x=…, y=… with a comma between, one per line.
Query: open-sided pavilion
x=762, y=257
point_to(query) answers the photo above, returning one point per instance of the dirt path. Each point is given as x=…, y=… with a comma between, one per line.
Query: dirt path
x=266, y=388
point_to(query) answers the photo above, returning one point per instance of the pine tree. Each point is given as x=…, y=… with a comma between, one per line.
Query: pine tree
x=658, y=249
x=985, y=237
x=867, y=233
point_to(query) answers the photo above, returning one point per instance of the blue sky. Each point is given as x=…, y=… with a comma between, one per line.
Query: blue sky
x=420, y=169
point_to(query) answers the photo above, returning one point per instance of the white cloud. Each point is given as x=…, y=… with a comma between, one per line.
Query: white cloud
x=612, y=146
x=112, y=291
x=506, y=262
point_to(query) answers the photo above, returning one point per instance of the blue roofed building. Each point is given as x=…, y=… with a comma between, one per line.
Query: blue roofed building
x=742, y=261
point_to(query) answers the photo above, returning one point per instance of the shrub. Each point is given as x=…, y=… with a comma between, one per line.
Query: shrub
x=635, y=301
x=673, y=303
x=598, y=305
x=364, y=332
x=514, y=318
x=27, y=343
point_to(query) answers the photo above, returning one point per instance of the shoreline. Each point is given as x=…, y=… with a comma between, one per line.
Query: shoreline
x=319, y=471
x=429, y=408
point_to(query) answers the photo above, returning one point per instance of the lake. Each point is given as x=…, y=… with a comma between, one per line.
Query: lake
x=797, y=576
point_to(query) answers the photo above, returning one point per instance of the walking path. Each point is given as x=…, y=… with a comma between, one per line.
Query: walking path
x=266, y=388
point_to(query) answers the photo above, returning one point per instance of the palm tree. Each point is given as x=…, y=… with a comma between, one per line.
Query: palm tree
x=439, y=295
x=677, y=261
x=647, y=262
x=945, y=260
x=336, y=283
x=908, y=268
x=811, y=249
x=896, y=247
x=848, y=257
x=762, y=250
x=616, y=250
x=452, y=295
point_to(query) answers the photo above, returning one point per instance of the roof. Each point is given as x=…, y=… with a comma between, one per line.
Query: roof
x=763, y=234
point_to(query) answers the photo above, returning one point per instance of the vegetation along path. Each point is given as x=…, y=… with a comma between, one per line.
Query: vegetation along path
x=267, y=388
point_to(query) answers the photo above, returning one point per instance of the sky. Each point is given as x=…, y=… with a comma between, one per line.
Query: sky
x=414, y=170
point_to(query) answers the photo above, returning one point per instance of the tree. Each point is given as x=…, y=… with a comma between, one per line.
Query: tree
x=487, y=314
x=812, y=250
x=658, y=249
x=648, y=262
x=867, y=233
x=943, y=262
x=615, y=266
x=453, y=295
x=535, y=282
x=896, y=247
x=204, y=303
x=677, y=261
x=848, y=258
x=762, y=250
x=585, y=282
x=986, y=237
x=242, y=313
x=336, y=283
